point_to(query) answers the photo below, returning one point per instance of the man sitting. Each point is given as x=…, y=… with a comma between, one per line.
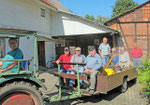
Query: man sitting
x=78, y=58
x=93, y=64
x=66, y=57
x=123, y=58
x=15, y=53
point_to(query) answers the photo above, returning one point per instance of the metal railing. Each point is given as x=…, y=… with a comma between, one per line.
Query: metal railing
x=59, y=74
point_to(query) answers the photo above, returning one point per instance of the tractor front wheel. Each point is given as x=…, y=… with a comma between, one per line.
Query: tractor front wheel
x=20, y=93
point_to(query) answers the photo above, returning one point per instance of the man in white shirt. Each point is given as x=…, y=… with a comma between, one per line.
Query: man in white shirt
x=123, y=58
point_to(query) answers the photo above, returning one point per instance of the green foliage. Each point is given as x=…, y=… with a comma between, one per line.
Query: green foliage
x=100, y=19
x=131, y=66
x=122, y=6
x=144, y=77
x=92, y=18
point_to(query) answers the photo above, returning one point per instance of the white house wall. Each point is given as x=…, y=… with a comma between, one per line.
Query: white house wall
x=65, y=24
x=27, y=47
x=26, y=15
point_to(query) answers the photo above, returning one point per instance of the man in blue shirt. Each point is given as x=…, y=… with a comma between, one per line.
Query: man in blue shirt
x=16, y=53
x=93, y=64
x=115, y=59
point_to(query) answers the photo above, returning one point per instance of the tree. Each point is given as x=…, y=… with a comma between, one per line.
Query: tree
x=101, y=19
x=122, y=6
x=87, y=16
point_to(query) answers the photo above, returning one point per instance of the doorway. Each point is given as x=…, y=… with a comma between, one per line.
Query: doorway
x=41, y=53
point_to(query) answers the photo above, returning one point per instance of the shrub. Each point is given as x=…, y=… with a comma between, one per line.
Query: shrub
x=144, y=77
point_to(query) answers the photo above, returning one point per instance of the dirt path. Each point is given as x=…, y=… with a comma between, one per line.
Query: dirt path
x=130, y=97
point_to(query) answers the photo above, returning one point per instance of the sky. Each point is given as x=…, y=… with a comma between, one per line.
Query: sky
x=92, y=7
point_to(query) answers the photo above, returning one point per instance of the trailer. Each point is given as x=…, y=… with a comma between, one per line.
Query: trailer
x=103, y=86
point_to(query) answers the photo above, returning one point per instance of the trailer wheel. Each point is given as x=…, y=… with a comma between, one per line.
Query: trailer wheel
x=123, y=88
x=20, y=93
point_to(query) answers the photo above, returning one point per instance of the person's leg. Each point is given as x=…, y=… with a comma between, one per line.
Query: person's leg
x=70, y=81
x=139, y=62
x=62, y=79
x=81, y=73
x=134, y=62
x=106, y=59
x=93, y=80
x=103, y=61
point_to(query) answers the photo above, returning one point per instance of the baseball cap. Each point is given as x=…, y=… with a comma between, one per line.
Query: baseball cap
x=78, y=49
x=92, y=48
x=66, y=48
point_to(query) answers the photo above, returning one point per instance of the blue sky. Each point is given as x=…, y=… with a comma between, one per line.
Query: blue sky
x=92, y=7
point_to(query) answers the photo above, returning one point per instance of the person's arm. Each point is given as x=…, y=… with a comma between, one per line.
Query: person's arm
x=99, y=51
x=60, y=59
x=109, y=49
x=10, y=66
x=85, y=67
x=72, y=60
x=141, y=52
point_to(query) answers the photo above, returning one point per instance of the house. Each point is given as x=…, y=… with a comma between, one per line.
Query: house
x=51, y=19
x=134, y=25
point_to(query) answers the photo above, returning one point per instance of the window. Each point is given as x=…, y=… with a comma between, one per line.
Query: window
x=42, y=12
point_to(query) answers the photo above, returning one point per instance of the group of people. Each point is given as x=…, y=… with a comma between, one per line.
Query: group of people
x=121, y=58
x=94, y=61
x=93, y=64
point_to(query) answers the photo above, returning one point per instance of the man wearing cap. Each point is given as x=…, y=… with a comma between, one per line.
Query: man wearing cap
x=93, y=64
x=66, y=57
x=78, y=58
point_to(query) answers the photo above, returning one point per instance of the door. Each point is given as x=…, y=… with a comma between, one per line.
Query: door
x=41, y=53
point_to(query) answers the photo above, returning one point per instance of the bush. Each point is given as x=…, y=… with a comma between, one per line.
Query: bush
x=144, y=77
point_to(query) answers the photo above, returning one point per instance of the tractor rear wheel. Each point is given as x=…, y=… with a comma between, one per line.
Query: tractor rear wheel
x=20, y=93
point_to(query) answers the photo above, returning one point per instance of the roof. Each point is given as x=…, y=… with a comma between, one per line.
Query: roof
x=100, y=25
x=59, y=5
x=56, y=4
x=128, y=11
x=49, y=3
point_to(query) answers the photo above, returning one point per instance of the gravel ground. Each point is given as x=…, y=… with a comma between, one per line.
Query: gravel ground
x=130, y=97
